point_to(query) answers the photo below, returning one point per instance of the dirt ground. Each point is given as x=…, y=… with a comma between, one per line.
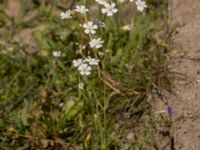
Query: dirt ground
x=185, y=62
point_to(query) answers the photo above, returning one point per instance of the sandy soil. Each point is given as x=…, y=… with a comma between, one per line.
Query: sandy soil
x=185, y=61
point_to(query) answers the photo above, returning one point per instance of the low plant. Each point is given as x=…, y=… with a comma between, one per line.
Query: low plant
x=88, y=80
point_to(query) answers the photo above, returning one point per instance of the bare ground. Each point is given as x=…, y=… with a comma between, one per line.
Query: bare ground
x=185, y=62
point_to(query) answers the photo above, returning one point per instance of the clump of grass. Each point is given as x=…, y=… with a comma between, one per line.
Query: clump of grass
x=47, y=104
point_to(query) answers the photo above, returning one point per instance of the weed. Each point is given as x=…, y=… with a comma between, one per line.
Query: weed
x=81, y=81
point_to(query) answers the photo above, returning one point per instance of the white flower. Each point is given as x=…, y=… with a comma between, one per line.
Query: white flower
x=131, y=0
x=81, y=9
x=141, y=5
x=92, y=61
x=96, y=43
x=101, y=2
x=89, y=27
x=84, y=69
x=121, y=1
x=57, y=53
x=77, y=63
x=66, y=15
x=81, y=85
x=109, y=9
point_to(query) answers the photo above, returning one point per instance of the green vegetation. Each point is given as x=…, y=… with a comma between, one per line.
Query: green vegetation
x=41, y=105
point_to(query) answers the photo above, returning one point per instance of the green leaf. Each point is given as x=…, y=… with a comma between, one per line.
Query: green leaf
x=23, y=114
x=72, y=107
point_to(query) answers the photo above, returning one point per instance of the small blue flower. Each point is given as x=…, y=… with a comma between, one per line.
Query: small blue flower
x=169, y=110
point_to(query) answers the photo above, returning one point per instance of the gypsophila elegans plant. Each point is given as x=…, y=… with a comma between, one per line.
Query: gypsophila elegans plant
x=83, y=78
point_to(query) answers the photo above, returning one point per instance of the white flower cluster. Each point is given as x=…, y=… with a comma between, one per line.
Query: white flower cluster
x=89, y=27
x=84, y=66
x=109, y=8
